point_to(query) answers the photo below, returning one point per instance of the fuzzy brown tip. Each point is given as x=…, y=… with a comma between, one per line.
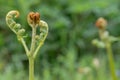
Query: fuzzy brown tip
x=101, y=23
x=33, y=18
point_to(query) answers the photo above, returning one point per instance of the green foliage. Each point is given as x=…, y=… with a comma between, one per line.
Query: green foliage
x=68, y=45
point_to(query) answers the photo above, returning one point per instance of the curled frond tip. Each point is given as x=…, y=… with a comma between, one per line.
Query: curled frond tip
x=13, y=13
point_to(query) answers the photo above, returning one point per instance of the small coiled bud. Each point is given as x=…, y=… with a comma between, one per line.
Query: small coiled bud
x=12, y=24
x=33, y=19
x=37, y=37
x=101, y=23
x=17, y=27
x=21, y=32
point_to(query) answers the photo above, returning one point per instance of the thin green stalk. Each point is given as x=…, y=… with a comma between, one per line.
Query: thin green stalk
x=33, y=40
x=111, y=60
x=31, y=59
x=25, y=46
x=31, y=69
x=37, y=49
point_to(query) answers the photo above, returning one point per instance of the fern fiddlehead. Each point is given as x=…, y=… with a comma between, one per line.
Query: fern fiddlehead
x=37, y=39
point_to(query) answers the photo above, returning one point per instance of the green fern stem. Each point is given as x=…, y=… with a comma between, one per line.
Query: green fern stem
x=31, y=68
x=111, y=60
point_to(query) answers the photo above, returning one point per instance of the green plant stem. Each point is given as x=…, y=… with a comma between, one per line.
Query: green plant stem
x=37, y=49
x=33, y=40
x=25, y=46
x=31, y=59
x=111, y=60
x=31, y=68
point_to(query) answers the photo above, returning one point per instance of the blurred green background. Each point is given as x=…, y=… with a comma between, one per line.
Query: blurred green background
x=67, y=53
